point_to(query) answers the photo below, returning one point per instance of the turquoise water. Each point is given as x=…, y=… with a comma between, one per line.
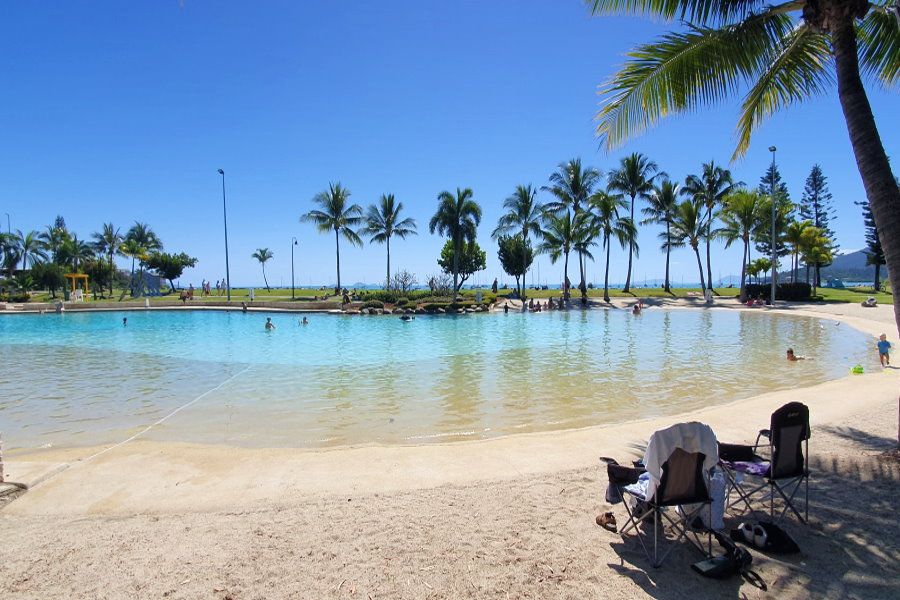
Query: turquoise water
x=81, y=379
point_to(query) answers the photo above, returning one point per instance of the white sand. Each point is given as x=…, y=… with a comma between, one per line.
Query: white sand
x=510, y=517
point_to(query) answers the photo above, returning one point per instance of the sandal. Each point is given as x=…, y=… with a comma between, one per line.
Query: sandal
x=607, y=521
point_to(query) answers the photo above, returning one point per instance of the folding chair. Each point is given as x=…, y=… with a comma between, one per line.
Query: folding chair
x=783, y=473
x=682, y=481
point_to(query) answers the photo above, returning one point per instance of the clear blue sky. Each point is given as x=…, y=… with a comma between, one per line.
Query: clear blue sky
x=123, y=111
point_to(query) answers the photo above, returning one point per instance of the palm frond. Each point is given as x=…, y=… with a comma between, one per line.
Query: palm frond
x=879, y=41
x=683, y=71
x=800, y=69
x=695, y=11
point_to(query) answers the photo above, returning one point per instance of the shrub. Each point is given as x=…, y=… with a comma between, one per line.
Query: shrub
x=16, y=297
x=379, y=295
x=401, y=302
x=783, y=291
x=373, y=304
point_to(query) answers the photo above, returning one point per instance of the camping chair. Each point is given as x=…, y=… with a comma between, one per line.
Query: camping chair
x=680, y=480
x=784, y=470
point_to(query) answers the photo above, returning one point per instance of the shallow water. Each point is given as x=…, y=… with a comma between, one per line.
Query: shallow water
x=82, y=378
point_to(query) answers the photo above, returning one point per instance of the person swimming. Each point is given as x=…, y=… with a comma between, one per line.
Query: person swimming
x=304, y=321
x=243, y=306
x=793, y=357
x=406, y=318
x=124, y=321
x=269, y=324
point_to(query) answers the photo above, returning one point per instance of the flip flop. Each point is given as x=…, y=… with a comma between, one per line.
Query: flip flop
x=607, y=521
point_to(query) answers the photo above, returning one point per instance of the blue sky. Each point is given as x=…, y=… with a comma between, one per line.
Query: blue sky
x=119, y=112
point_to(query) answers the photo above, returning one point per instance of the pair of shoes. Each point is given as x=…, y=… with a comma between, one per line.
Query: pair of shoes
x=607, y=521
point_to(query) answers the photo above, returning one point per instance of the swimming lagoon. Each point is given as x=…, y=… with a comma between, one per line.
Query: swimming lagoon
x=84, y=379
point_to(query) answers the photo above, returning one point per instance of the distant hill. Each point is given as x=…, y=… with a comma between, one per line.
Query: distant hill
x=852, y=267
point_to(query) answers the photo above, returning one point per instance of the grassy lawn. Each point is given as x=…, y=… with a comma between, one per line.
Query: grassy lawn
x=308, y=294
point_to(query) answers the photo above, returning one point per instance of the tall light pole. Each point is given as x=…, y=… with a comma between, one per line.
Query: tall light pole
x=225, y=219
x=294, y=240
x=772, y=149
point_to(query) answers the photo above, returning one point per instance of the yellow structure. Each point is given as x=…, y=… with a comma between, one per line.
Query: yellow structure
x=75, y=278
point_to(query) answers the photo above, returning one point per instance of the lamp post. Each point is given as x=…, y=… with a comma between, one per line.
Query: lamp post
x=294, y=240
x=225, y=220
x=772, y=149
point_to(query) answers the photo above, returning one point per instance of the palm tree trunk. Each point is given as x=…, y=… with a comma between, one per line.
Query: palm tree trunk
x=112, y=273
x=743, y=292
x=877, y=277
x=606, y=273
x=700, y=266
x=630, y=252
x=337, y=248
x=668, y=288
x=871, y=159
x=524, y=262
x=709, y=279
x=565, y=278
x=456, y=250
x=387, y=282
x=131, y=282
x=266, y=281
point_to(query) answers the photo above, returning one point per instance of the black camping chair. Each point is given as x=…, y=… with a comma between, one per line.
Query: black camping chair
x=784, y=471
x=684, y=484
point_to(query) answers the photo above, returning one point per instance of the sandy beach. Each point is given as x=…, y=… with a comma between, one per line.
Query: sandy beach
x=508, y=517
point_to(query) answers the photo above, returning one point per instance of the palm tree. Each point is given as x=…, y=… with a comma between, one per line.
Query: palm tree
x=689, y=228
x=73, y=252
x=634, y=177
x=609, y=224
x=108, y=242
x=29, y=247
x=263, y=255
x=793, y=237
x=710, y=187
x=783, y=52
x=739, y=218
x=335, y=215
x=132, y=249
x=571, y=185
x=662, y=200
x=457, y=217
x=384, y=222
x=524, y=214
x=559, y=236
x=53, y=238
x=147, y=239
x=8, y=251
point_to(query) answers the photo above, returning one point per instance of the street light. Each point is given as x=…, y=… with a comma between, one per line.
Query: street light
x=293, y=239
x=225, y=220
x=772, y=149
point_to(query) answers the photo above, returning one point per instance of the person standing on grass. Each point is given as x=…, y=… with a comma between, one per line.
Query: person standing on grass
x=884, y=350
x=218, y=288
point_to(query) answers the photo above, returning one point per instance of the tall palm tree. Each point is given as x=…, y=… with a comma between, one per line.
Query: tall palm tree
x=336, y=215
x=689, y=228
x=634, y=177
x=710, y=187
x=661, y=202
x=263, y=255
x=794, y=237
x=524, y=214
x=132, y=249
x=8, y=251
x=609, y=224
x=457, y=217
x=53, y=238
x=147, y=239
x=559, y=235
x=783, y=52
x=29, y=247
x=739, y=218
x=571, y=185
x=383, y=222
x=75, y=252
x=108, y=242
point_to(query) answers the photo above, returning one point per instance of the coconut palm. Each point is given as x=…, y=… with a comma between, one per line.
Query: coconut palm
x=689, y=229
x=263, y=255
x=739, y=218
x=815, y=248
x=383, y=222
x=108, y=242
x=661, y=202
x=710, y=187
x=28, y=246
x=559, y=236
x=53, y=238
x=571, y=185
x=336, y=215
x=130, y=248
x=783, y=52
x=524, y=215
x=74, y=252
x=457, y=217
x=634, y=177
x=793, y=237
x=146, y=238
x=609, y=224
x=8, y=251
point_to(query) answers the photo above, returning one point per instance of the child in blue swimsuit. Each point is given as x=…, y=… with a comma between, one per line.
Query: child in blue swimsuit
x=884, y=349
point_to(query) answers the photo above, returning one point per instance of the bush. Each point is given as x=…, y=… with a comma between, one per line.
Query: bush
x=373, y=304
x=783, y=291
x=401, y=302
x=379, y=295
x=16, y=297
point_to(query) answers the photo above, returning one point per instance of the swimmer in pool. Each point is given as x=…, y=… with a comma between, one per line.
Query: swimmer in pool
x=304, y=321
x=793, y=357
x=124, y=321
x=269, y=324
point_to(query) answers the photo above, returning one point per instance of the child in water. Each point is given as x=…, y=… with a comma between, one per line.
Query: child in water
x=884, y=350
x=793, y=357
x=269, y=324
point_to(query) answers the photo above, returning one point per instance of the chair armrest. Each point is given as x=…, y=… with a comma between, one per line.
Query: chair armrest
x=737, y=452
x=622, y=475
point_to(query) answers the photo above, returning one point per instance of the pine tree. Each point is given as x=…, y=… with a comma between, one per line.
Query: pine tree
x=763, y=233
x=815, y=206
x=874, y=253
